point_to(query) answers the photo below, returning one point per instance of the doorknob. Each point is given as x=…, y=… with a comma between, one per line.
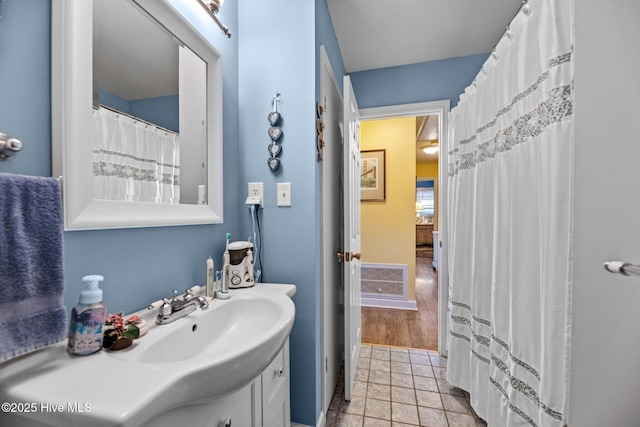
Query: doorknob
x=356, y=255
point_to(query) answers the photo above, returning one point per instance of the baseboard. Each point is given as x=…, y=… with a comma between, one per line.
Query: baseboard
x=321, y=422
x=389, y=303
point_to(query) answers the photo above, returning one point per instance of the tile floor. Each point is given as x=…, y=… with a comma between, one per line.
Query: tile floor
x=397, y=387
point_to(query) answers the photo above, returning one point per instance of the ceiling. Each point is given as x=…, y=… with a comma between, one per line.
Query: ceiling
x=134, y=56
x=378, y=34
x=427, y=133
x=382, y=33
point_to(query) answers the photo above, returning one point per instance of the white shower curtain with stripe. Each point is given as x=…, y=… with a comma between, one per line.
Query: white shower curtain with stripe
x=134, y=161
x=510, y=186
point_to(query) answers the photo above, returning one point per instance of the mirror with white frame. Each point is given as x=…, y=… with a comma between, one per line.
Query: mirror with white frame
x=122, y=163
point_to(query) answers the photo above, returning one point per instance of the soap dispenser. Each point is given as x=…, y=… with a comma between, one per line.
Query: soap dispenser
x=87, y=319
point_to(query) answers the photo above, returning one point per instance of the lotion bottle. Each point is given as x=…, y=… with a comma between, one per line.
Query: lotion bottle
x=87, y=319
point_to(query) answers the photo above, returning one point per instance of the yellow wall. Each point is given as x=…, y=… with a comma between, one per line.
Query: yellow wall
x=388, y=228
x=427, y=171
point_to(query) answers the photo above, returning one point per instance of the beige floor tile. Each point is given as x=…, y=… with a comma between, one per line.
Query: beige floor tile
x=404, y=413
x=447, y=388
x=379, y=391
x=456, y=404
x=437, y=360
x=401, y=367
x=423, y=370
x=440, y=372
x=380, y=377
x=362, y=374
x=364, y=363
x=382, y=354
x=402, y=380
x=355, y=406
x=460, y=420
x=429, y=399
x=419, y=359
x=349, y=420
x=380, y=365
x=378, y=409
x=359, y=388
x=425, y=383
x=375, y=422
x=398, y=387
x=431, y=417
x=403, y=395
x=400, y=357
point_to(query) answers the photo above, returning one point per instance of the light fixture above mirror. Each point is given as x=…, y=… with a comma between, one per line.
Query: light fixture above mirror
x=213, y=7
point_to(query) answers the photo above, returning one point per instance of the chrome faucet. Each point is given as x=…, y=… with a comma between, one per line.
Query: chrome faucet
x=178, y=307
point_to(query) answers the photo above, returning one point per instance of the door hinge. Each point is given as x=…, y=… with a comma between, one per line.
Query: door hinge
x=348, y=256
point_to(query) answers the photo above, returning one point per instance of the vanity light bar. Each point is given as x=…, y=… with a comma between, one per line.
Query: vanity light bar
x=211, y=10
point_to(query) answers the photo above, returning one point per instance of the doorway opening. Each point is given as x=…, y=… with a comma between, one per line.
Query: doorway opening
x=423, y=326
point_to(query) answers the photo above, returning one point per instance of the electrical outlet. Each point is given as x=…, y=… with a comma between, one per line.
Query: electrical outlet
x=284, y=194
x=256, y=189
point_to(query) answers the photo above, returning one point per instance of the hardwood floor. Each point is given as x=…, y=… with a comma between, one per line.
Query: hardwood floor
x=407, y=328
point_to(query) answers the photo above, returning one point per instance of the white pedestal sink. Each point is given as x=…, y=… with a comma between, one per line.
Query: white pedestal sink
x=196, y=359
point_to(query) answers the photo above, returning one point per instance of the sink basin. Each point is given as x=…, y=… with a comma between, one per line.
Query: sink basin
x=195, y=359
x=222, y=331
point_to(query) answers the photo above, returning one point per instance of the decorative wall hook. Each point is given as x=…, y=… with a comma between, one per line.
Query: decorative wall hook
x=320, y=109
x=275, y=133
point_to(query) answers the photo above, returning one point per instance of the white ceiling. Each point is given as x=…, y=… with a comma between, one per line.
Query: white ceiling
x=134, y=57
x=382, y=33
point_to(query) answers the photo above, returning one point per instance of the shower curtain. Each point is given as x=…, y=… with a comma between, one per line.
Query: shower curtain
x=510, y=186
x=133, y=160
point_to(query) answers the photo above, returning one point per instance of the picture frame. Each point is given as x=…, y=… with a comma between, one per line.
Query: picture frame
x=373, y=176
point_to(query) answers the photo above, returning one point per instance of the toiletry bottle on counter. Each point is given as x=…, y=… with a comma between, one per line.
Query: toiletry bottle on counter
x=210, y=289
x=87, y=319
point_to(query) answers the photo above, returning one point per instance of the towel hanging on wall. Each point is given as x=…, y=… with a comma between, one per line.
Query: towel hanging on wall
x=32, y=315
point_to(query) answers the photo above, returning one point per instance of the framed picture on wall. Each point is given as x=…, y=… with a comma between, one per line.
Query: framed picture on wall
x=372, y=178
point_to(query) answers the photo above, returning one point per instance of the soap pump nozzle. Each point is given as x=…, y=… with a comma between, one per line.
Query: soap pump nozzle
x=92, y=294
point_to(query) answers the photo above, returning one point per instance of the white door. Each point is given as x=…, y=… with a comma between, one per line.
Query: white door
x=351, y=240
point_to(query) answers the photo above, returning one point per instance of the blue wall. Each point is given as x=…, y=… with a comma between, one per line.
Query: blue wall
x=139, y=265
x=25, y=89
x=277, y=54
x=163, y=111
x=423, y=82
x=274, y=46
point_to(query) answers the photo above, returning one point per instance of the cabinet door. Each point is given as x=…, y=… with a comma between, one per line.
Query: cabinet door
x=238, y=410
x=421, y=236
x=275, y=391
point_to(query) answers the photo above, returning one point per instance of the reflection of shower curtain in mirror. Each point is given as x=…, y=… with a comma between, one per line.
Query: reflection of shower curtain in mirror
x=510, y=172
x=134, y=161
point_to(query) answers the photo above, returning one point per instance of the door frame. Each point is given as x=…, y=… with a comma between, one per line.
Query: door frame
x=329, y=342
x=442, y=108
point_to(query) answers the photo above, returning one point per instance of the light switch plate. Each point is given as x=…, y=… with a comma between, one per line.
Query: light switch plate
x=284, y=194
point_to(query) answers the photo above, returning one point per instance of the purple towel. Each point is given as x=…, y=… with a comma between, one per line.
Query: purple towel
x=32, y=315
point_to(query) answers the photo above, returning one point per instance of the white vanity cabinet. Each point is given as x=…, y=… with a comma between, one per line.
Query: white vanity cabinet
x=262, y=403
